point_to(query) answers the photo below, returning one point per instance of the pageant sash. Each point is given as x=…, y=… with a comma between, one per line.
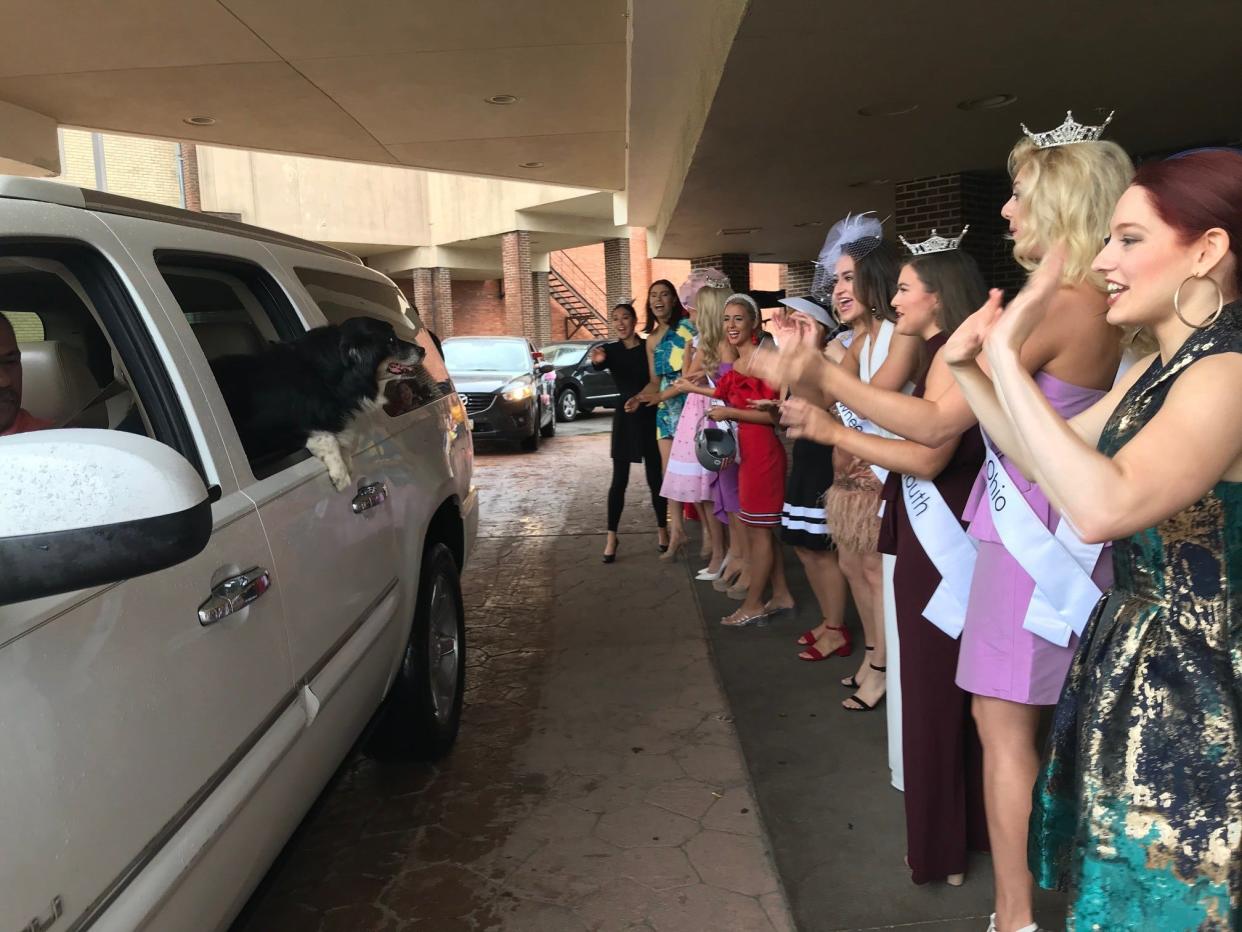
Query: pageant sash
x=951, y=550
x=1061, y=564
x=857, y=422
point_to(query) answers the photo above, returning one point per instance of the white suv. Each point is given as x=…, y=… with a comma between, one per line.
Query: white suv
x=190, y=642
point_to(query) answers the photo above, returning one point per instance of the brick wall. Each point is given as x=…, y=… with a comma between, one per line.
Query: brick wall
x=77, y=166
x=478, y=308
x=795, y=278
x=519, y=293
x=946, y=203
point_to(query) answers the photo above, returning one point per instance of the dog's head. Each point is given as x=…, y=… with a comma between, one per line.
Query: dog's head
x=373, y=345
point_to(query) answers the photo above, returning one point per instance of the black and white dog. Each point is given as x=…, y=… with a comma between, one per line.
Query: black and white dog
x=306, y=391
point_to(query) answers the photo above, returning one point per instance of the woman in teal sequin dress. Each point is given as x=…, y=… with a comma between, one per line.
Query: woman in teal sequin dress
x=1138, y=809
x=670, y=336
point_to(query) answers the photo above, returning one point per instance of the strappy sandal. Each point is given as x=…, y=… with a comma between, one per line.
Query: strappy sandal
x=758, y=618
x=813, y=654
x=851, y=681
x=861, y=704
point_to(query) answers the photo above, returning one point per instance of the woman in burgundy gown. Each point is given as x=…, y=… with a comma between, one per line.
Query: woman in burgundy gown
x=942, y=755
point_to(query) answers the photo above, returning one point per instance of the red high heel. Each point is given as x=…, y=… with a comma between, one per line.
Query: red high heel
x=813, y=653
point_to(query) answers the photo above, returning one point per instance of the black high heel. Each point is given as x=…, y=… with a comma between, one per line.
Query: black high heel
x=612, y=557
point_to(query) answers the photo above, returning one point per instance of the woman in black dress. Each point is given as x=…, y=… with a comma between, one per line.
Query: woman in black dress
x=633, y=433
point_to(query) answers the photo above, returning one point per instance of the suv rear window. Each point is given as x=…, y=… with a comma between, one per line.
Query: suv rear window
x=484, y=355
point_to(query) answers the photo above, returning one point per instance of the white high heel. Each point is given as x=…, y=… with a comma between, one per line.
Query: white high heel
x=706, y=576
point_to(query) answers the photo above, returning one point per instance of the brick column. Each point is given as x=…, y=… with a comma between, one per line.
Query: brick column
x=543, y=308
x=519, y=287
x=736, y=265
x=442, y=294
x=189, y=175
x=618, y=283
x=946, y=203
x=796, y=278
x=424, y=298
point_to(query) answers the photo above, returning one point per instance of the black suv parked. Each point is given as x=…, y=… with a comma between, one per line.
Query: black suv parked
x=579, y=388
x=501, y=381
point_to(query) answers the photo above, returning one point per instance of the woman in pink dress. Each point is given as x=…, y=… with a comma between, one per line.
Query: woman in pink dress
x=686, y=480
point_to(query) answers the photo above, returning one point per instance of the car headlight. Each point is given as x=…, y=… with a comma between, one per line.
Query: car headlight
x=519, y=392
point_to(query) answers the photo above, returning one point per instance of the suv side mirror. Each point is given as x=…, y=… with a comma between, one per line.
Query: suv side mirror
x=89, y=507
x=546, y=367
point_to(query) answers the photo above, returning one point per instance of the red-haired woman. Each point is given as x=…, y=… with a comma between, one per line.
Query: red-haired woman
x=1139, y=806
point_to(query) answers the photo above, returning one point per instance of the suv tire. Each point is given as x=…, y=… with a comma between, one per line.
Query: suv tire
x=568, y=405
x=422, y=714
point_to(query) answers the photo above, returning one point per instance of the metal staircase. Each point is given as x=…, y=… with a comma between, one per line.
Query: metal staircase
x=571, y=288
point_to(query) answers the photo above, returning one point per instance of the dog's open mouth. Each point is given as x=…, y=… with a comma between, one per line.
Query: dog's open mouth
x=400, y=368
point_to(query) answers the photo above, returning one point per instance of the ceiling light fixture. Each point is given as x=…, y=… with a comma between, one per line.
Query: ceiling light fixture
x=991, y=102
x=888, y=108
x=201, y=121
x=737, y=231
x=530, y=164
x=809, y=223
x=501, y=100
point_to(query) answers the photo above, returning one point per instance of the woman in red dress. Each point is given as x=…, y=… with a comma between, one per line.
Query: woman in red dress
x=761, y=465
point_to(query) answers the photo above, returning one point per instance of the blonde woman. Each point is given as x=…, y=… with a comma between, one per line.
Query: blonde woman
x=1015, y=649
x=686, y=480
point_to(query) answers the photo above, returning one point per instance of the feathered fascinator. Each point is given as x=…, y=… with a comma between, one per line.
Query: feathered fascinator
x=856, y=235
x=701, y=278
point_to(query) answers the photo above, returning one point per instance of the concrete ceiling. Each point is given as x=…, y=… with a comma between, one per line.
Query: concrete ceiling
x=372, y=80
x=783, y=140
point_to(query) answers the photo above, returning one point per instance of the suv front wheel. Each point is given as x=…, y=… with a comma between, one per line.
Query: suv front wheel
x=422, y=714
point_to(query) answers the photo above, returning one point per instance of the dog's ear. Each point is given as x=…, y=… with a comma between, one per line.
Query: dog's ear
x=353, y=346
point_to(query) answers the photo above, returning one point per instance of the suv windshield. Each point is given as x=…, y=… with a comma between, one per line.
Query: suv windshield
x=563, y=354
x=482, y=355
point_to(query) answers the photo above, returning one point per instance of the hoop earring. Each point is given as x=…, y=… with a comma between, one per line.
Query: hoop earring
x=1211, y=318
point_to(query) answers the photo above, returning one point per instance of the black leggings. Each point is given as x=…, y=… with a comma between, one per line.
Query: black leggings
x=621, y=479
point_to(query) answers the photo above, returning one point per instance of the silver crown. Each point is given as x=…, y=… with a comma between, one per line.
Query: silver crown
x=714, y=282
x=934, y=243
x=1067, y=133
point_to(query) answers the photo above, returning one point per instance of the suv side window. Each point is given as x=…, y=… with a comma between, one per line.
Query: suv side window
x=340, y=297
x=81, y=358
x=235, y=308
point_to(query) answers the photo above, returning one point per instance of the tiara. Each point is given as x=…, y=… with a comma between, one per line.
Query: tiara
x=934, y=243
x=713, y=282
x=1069, y=132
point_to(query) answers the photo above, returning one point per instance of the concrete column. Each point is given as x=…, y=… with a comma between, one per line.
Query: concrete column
x=519, y=286
x=543, y=308
x=618, y=285
x=442, y=292
x=796, y=278
x=736, y=265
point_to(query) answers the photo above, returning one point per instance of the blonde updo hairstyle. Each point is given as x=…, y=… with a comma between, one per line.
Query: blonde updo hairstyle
x=1068, y=194
x=709, y=303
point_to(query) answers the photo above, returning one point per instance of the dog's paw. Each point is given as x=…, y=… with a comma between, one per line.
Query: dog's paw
x=340, y=480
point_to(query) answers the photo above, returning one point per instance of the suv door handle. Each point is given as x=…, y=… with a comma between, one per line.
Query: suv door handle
x=370, y=495
x=233, y=594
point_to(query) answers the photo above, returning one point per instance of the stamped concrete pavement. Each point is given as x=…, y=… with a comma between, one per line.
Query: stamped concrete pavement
x=598, y=783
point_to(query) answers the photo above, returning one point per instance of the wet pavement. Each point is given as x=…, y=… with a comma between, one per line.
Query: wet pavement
x=597, y=783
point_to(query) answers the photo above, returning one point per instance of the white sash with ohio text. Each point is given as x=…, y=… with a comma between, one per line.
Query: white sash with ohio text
x=951, y=550
x=1061, y=564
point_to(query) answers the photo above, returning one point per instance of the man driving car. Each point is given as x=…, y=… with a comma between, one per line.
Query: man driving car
x=14, y=419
